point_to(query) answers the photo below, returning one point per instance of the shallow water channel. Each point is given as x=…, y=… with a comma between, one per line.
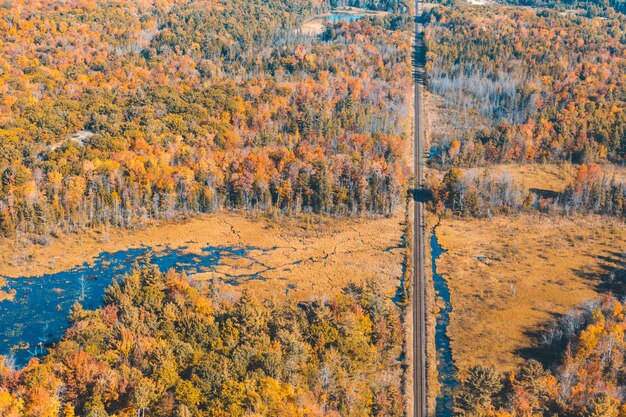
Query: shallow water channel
x=38, y=316
x=445, y=365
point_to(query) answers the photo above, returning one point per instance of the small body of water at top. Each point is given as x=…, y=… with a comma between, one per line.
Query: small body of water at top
x=445, y=365
x=347, y=17
x=38, y=316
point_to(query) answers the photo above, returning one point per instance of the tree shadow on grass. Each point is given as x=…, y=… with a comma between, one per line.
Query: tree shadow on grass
x=548, y=354
x=546, y=194
x=551, y=339
x=611, y=277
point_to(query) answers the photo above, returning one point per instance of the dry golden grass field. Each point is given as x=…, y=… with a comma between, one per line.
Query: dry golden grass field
x=308, y=257
x=511, y=276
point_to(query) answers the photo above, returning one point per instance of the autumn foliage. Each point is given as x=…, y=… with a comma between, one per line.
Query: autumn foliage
x=588, y=380
x=533, y=84
x=161, y=347
x=117, y=112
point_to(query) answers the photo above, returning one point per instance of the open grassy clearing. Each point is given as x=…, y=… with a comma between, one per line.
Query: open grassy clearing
x=511, y=276
x=543, y=177
x=301, y=257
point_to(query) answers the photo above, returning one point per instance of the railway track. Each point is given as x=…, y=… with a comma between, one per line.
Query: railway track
x=420, y=390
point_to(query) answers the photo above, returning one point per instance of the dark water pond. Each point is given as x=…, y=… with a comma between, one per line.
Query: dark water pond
x=347, y=17
x=39, y=313
x=445, y=365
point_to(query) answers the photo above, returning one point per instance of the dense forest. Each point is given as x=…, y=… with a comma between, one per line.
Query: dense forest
x=396, y=6
x=546, y=84
x=588, y=381
x=527, y=85
x=589, y=7
x=162, y=347
x=115, y=112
